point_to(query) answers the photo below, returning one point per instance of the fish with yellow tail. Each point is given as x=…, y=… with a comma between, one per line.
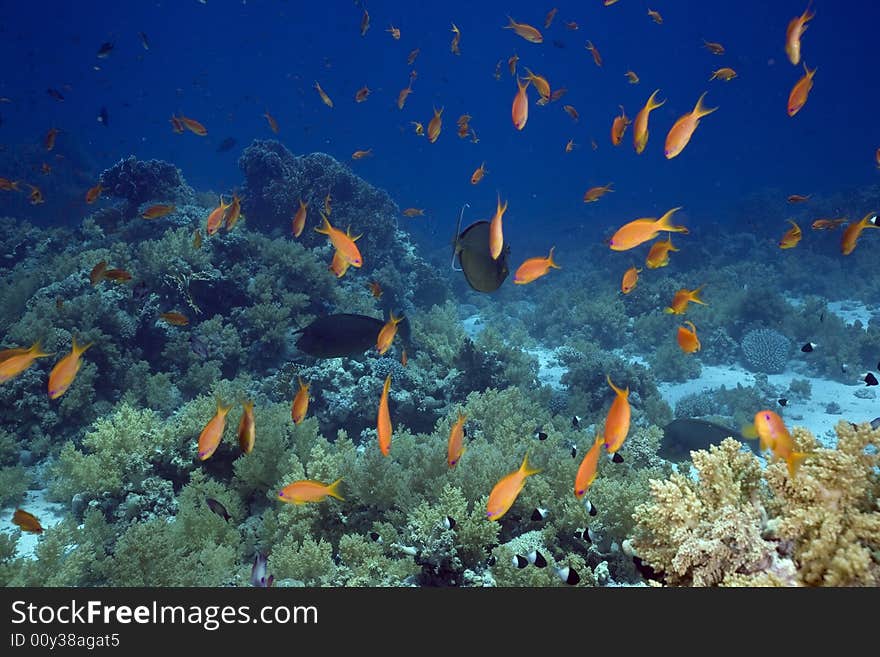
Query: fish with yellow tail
x=687, y=338
x=210, y=437
x=853, y=231
x=796, y=28
x=455, y=447
x=617, y=420
x=496, y=233
x=519, y=111
x=383, y=420
x=526, y=31
x=618, y=126
x=15, y=361
x=534, y=268
x=800, y=91
x=658, y=256
x=299, y=219
x=792, y=236
x=681, y=300
x=215, y=219
x=640, y=124
x=387, y=333
x=300, y=405
x=770, y=430
x=508, y=488
x=629, y=280
x=435, y=125
x=593, y=194
x=640, y=231
x=683, y=129
x=344, y=243
x=65, y=370
x=587, y=470
x=308, y=490
x=246, y=428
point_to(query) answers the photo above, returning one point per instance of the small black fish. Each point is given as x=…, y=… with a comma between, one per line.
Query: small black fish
x=105, y=49
x=374, y=536
x=199, y=347
x=590, y=507
x=844, y=367
x=492, y=560
x=646, y=571
x=782, y=401
x=55, y=94
x=537, y=559
x=218, y=508
x=519, y=561
x=807, y=348
x=576, y=422
x=448, y=522
x=540, y=514
x=568, y=575
x=870, y=379
x=822, y=317
x=226, y=145
x=875, y=423
x=878, y=365
x=574, y=450
x=540, y=435
x=103, y=117
x=617, y=458
x=144, y=41
x=585, y=535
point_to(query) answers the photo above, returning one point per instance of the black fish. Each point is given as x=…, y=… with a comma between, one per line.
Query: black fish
x=198, y=346
x=448, y=522
x=540, y=514
x=540, y=435
x=218, y=508
x=226, y=145
x=782, y=401
x=617, y=458
x=103, y=117
x=590, y=507
x=339, y=335
x=537, y=559
x=574, y=450
x=144, y=41
x=576, y=422
x=519, y=561
x=105, y=49
x=870, y=379
x=585, y=535
x=568, y=575
x=55, y=94
x=375, y=537
x=472, y=248
x=646, y=571
x=875, y=423
x=807, y=348
x=682, y=436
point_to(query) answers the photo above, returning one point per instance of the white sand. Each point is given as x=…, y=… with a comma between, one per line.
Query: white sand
x=48, y=513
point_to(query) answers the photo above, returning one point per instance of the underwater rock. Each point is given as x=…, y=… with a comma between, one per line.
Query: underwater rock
x=138, y=181
x=765, y=350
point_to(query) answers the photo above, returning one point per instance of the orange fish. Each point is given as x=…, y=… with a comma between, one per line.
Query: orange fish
x=299, y=219
x=540, y=83
x=365, y=23
x=570, y=146
x=36, y=196
x=193, y=126
x=549, y=18
x=65, y=370
x=617, y=420
x=375, y=289
x=273, y=124
x=210, y=437
x=387, y=333
x=453, y=46
x=508, y=488
x=877, y=157
x=309, y=490
x=640, y=125
x=478, y=174
x=682, y=130
x=435, y=125
x=496, y=233
x=383, y=420
x=27, y=522
x=587, y=470
x=97, y=273
x=414, y=212
x=769, y=428
x=93, y=193
x=50, y=138
x=403, y=358
x=156, y=211
x=117, y=275
x=175, y=318
x=593, y=194
x=798, y=198
x=682, y=298
x=395, y=32
x=792, y=236
x=233, y=213
x=725, y=73
x=520, y=110
x=630, y=278
x=197, y=239
x=571, y=111
x=534, y=268
x=713, y=47
x=571, y=25
x=632, y=77
x=215, y=219
x=300, y=405
x=796, y=28
x=339, y=265
x=410, y=60
x=853, y=231
x=798, y=96
x=827, y=224
x=403, y=95
x=358, y=155
x=344, y=243
x=455, y=447
x=324, y=97
x=524, y=30
x=640, y=231
x=176, y=124
x=687, y=338
x=15, y=361
x=8, y=185
x=362, y=94
x=618, y=126
x=658, y=256
x=247, y=432
x=655, y=16
x=597, y=58
x=511, y=63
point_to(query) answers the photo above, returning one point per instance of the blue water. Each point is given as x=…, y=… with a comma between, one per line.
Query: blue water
x=225, y=63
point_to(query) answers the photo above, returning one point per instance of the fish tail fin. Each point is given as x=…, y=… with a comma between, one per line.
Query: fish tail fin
x=36, y=350
x=663, y=223
x=79, y=349
x=671, y=247
x=324, y=228
x=652, y=104
x=695, y=296
x=550, y=260
x=701, y=110
x=223, y=410
x=669, y=311
x=620, y=393
x=526, y=469
x=333, y=490
x=794, y=461
x=512, y=24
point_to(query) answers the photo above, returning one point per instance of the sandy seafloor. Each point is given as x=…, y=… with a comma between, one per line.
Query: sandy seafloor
x=807, y=413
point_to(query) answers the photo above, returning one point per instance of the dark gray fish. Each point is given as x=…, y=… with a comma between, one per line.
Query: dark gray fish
x=144, y=41
x=875, y=423
x=568, y=575
x=226, y=145
x=258, y=572
x=105, y=49
x=55, y=94
x=103, y=117
x=339, y=335
x=472, y=248
x=682, y=436
x=218, y=508
x=870, y=379
x=536, y=559
x=199, y=347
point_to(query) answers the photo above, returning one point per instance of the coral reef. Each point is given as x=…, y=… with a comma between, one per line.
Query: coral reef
x=137, y=181
x=765, y=350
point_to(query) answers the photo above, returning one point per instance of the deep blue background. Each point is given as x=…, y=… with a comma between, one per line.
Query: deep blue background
x=225, y=63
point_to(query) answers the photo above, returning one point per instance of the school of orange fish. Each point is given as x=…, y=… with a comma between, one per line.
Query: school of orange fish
x=767, y=426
